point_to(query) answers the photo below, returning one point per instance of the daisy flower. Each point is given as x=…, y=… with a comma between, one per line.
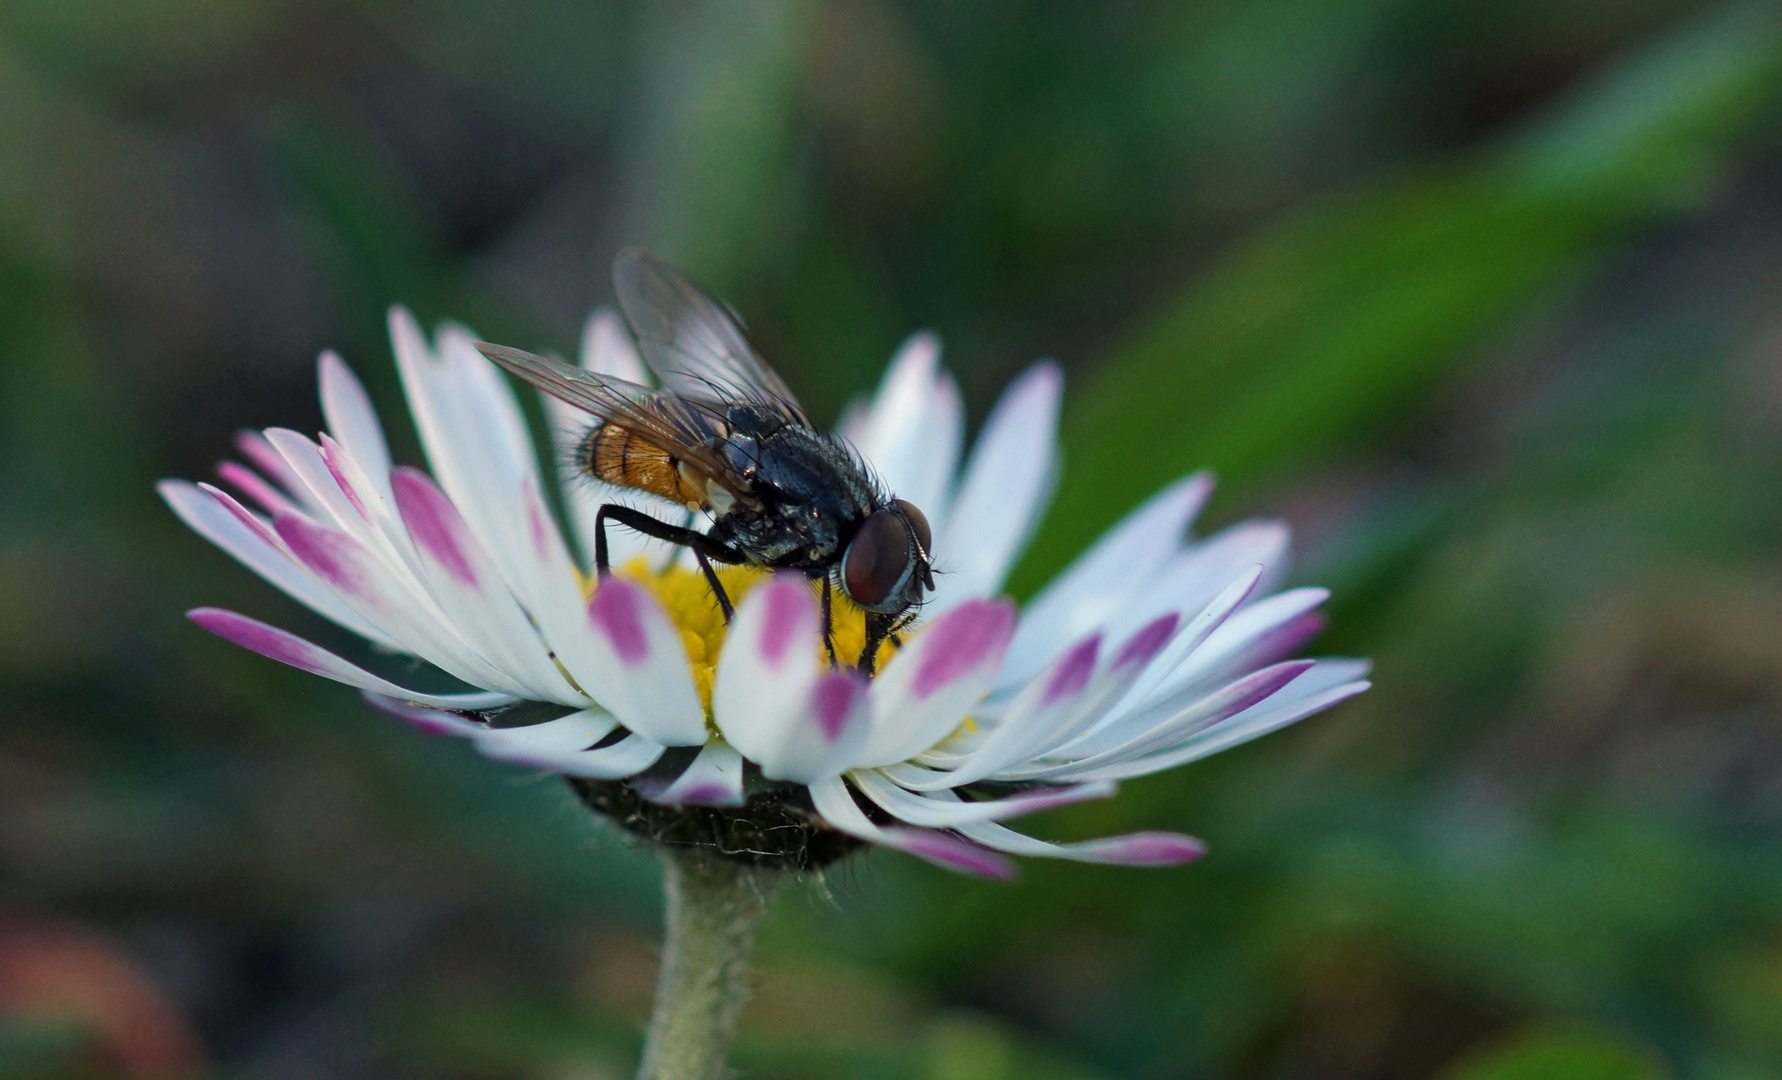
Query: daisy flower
x=1151, y=650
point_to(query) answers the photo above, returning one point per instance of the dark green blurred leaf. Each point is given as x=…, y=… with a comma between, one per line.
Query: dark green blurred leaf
x=719, y=132
x=1556, y=1056
x=44, y=1048
x=382, y=246
x=1308, y=338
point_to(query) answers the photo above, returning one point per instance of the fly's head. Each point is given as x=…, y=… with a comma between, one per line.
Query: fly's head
x=885, y=566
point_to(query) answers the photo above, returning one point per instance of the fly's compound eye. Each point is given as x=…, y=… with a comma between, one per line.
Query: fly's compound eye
x=878, y=563
x=918, y=524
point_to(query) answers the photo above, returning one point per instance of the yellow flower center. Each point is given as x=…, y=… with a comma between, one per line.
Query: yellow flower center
x=688, y=600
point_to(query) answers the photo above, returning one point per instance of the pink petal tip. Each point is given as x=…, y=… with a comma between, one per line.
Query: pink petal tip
x=952, y=854
x=973, y=633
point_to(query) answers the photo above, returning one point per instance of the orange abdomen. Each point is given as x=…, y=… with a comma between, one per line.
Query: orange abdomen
x=614, y=454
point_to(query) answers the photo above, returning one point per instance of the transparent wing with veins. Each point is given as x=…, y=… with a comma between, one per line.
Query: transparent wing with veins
x=691, y=429
x=692, y=342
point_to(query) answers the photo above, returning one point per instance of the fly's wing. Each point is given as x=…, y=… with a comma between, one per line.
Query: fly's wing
x=690, y=430
x=691, y=341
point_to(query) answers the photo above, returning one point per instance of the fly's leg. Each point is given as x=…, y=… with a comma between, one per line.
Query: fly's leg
x=711, y=578
x=891, y=629
x=704, y=547
x=877, y=628
x=603, y=563
x=900, y=623
x=829, y=624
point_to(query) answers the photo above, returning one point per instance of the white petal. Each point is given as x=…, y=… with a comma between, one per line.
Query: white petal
x=1035, y=724
x=351, y=504
x=556, y=746
x=1093, y=587
x=1124, y=742
x=504, y=454
x=305, y=461
x=362, y=510
x=921, y=465
x=565, y=746
x=767, y=667
x=487, y=400
x=837, y=807
x=1054, y=695
x=558, y=609
x=627, y=757
x=1236, y=637
x=1133, y=849
x=351, y=419
x=639, y=666
x=475, y=438
x=855, y=416
x=1193, y=578
x=371, y=498
x=911, y=433
x=900, y=405
x=218, y=518
x=1148, y=689
x=257, y=488
x=1004, y=492
x=288, y=648
x=949, y=812
x=465, y=582
x=534, y=743
x=1283, y=709
x=828, y=732
x=433, y=721
x=930, y=686
x=262, y=456
x=385, y=599
x=715, y=778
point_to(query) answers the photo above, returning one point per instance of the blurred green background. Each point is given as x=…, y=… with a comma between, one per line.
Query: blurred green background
x=1485, y=298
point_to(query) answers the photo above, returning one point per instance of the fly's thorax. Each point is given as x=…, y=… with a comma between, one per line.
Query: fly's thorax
x=746, y=418
x=781, y=534
x=810, y=496
x=806, y=468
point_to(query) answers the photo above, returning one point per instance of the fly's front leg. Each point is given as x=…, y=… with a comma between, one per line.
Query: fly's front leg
x=603, y=566
x=829, y=624
x=711, y=578
x=877, y=628
x=704, y=547
x=894, y=633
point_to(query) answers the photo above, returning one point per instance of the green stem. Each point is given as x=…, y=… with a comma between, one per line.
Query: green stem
x=714, y=908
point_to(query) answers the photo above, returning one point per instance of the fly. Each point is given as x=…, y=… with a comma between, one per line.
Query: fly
x=725, y=436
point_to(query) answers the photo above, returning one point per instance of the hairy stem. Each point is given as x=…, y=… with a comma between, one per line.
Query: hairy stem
x=714, y=909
